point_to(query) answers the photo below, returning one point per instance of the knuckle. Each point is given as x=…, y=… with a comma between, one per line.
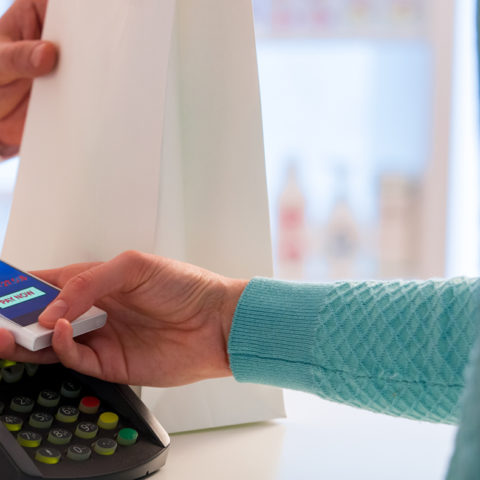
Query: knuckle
x=131, y=259
x=131, y=255
x=81, y=282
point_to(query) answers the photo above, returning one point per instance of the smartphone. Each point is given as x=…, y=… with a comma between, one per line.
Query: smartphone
x=23, y=297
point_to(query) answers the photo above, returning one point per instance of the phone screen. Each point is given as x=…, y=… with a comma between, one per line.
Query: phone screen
x=23, y=297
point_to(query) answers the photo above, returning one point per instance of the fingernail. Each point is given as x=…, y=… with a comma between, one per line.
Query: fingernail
x=37, y=55
x=53, y=312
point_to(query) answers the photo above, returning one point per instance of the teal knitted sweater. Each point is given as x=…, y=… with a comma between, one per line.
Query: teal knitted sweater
x=397, y=347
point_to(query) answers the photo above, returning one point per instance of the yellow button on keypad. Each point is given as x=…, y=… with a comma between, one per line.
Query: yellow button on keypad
x=48, y=455
x=12, y=422
x=108, y=421
x=29, y=439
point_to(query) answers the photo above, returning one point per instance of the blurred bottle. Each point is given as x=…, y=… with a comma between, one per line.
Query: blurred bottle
x=341, y=233
x=292, y=235
x=399, y=226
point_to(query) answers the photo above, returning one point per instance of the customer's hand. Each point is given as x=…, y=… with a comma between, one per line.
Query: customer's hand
x=168, y=322
x=23, y=56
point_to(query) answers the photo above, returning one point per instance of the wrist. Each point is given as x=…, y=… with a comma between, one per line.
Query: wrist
x=234, y=290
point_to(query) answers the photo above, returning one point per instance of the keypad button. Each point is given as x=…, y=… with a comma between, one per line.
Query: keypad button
x=79, y=453
x=59, y=436
x=48, y=398
x=70, y=389
x=127, y=436
x=21, y=404
x=13, y=374
x=89, y=405
x=12, y=422
x=40, y=420
x=67, y=414
x=48, y=455
x=87, y=430
x=108, y=421
x=31, y=369
x=6, y=363
x=29, y=439
x=105, y=446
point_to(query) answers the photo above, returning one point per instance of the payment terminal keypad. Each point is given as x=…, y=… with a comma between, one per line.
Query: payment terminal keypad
x=55, y=423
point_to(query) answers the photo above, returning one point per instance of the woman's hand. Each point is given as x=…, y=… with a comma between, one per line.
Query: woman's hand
x=23, y=56
x=168, y=322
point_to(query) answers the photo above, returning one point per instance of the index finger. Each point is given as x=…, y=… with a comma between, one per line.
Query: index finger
x=26, y=59
x=60, y=276
x=83, y=290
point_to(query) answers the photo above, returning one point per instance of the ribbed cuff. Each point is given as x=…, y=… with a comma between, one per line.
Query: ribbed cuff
x=272, y=340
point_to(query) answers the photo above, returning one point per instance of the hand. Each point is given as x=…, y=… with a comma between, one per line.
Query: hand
x=23, y=56
x=168, y=322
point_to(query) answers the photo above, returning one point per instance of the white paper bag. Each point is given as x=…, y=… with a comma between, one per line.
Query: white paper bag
x=148, y=136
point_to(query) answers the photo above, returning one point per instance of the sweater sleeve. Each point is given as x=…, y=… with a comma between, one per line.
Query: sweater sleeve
x=397, y=347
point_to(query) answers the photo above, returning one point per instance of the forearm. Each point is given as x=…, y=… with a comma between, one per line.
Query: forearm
x=393, y=347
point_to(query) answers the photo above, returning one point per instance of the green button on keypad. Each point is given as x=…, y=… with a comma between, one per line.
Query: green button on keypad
x=127, y=436
x=55, y=416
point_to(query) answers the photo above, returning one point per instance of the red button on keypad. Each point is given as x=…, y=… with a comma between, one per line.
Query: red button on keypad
x=89, y=405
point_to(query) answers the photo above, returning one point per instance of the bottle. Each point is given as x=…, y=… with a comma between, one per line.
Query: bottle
x=341, y=233
x=292, y=243
x=399, y=226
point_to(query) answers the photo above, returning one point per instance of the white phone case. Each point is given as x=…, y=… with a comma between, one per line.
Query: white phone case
x=35, y=337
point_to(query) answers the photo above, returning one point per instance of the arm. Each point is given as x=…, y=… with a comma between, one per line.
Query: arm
x=393, y=347
x=23, y=56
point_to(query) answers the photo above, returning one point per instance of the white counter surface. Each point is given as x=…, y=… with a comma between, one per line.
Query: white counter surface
x=318, y=440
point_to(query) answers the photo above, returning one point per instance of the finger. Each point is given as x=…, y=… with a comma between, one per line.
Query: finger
x=11, y=351
x=60, y=276
x=41, y=7
x=11, y=127
x=83, y=290
x=12, y=95
x=26, y=59
x=74, y=355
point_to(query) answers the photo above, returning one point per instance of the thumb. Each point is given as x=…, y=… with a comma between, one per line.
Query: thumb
x=26, y=59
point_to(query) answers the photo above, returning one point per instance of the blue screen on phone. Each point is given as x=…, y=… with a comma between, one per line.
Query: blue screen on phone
x=23, y=297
